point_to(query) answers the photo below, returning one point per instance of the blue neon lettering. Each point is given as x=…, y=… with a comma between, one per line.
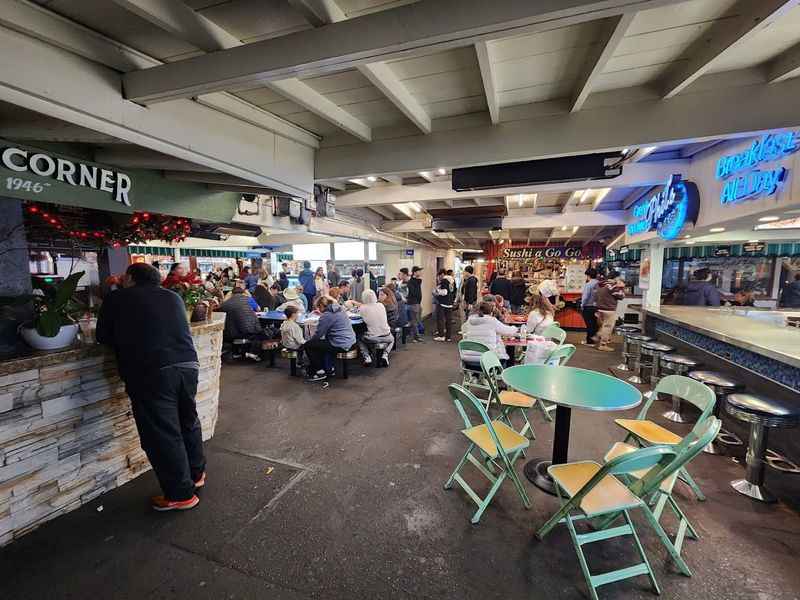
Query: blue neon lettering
x=665, y=212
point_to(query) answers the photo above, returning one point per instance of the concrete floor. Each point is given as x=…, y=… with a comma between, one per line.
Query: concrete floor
x=338, y=493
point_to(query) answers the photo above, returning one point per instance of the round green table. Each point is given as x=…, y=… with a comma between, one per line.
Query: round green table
x=568, y=388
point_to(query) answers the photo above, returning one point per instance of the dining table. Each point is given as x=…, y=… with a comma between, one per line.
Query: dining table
x=568, y=388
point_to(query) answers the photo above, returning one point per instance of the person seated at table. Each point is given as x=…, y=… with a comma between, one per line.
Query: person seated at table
x=304, y=299
x=344, y=291
x=503, y=306
x=292, y=298
x=292, y=337
x=402, y=309
x=241, y=322
x=484, y=327
x=336, y=294
x=378, y=330
x=387, y=298
x=262, y=296
x=334, y=334
x=541, y=314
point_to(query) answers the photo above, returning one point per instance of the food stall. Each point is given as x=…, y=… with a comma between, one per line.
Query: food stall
x=564, y=265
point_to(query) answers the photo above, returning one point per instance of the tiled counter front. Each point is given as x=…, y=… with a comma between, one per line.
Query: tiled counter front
x=66, y=430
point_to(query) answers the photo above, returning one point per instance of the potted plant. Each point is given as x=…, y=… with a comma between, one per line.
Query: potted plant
x=53, y=325
x=194, y=297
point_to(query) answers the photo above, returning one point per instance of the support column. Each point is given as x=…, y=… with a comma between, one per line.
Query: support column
x=16, y=278
x=652, y=296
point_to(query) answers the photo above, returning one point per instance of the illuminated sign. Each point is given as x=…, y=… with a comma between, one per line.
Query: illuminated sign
x=668, y=211
x=542, y=252
x=743, y=180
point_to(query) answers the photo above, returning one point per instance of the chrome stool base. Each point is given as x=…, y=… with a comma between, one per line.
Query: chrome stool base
x=751, y=490
x=634, y=379
x=728, y=438
x=623, y=366
x=780, y=463
x=714, y=448
x=675, y=417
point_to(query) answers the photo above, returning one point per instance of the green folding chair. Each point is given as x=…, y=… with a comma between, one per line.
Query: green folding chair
x=588, y=490
x=496, y=443
x=557, y=358
x=648, y=433
x=471, y=373
x=658, y=490
x=509, y=401
x=555, y=333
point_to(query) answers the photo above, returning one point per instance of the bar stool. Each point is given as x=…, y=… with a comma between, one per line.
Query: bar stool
x=763, y=414
x=722, y=386
x=623, y=331
x=675, y=364
x=634, y=353
x=650, y=354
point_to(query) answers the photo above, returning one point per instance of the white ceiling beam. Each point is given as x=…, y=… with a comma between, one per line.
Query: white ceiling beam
x=52, y=130
x=698, y=147
x=385, y=213
x=65, y=86
x=581, y=219
x=183, y=22
x=754, y=16
x=339, y=185
x=210, y=178
x=136, y=157
x=700, y=113
x=380, y=36
x=47, y=26
x=615, y=30
x=648, y=173
x=489, y=84
x=382, y=77
x=319, y=12
x=310, y=99
x=784, y=66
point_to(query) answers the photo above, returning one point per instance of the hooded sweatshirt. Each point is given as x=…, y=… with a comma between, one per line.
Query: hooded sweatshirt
x=486, y=329
x=700, y=293
x=334, y=326
x=446, y=292
x=374, y=315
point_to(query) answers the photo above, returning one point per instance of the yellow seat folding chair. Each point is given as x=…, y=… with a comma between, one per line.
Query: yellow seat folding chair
x=588, y=490
x=496, y=444
x=510, y=402
x=648, y=433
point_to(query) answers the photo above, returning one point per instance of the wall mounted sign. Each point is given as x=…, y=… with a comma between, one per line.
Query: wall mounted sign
x=285, y=256
x=753, y=247
x=22, y=161
x=409, y=252
x=743, y=180
x=668, y=211
x=43, y=175
x=532, y=252
x=721, y=251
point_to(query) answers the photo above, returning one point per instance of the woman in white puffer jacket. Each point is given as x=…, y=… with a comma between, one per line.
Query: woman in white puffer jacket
x=483, y=327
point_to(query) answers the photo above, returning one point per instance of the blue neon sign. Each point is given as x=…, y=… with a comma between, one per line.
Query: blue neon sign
x=667, y=211
x=743, y=181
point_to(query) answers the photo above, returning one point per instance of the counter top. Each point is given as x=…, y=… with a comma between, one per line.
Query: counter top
x=78, y=351
x=779, y=343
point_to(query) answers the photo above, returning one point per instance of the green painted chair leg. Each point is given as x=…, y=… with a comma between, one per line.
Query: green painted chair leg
x=587, y=575
x=449, y=483
x=544, y=408
x=650, y=574
x=684, y=476
x=673, y=552
x=488, y=499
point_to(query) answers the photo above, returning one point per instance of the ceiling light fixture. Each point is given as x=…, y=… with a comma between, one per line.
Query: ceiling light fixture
x=686, y=237
x=585, y=195
x=690, y=242
x=424, y=174
x=415, y=206
x=645, y=152
x=575, y=228
x=372, y=179
x=753, y=241
x=563, y=228
x=717, y=229
x=768, y=219
x=442, y=171
x=601, y=195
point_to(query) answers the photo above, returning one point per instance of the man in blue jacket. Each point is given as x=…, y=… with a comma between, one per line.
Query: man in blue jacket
x=306, y=278
x=334, y=334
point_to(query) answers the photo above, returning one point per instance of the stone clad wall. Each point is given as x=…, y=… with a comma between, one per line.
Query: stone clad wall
x=67, y=434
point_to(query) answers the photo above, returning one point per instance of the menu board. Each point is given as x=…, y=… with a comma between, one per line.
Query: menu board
x=575, y=277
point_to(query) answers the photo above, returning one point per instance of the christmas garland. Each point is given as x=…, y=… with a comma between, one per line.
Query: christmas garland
x=140, y=227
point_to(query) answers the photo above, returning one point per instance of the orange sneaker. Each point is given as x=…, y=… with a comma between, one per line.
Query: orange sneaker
x=201, y=481
x=161, y=504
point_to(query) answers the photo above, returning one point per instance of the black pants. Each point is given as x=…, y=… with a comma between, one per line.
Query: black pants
x=444, y=321
x=169, y=430
x=317, y=350
x=590, y=318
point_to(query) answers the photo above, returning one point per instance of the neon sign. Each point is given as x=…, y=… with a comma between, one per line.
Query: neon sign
x=757, y=182
x=668, y=211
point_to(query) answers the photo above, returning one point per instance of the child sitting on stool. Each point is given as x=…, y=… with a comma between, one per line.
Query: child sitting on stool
x=292, y=336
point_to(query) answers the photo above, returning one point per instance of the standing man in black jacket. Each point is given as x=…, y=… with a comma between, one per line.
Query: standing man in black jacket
x=414, y=302
x=446, y=300
x=147, y=327
x=501, y=286
x=469, y=290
